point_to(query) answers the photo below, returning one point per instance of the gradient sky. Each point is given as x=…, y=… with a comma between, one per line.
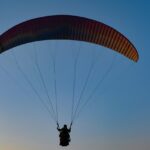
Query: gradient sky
x=118, y=116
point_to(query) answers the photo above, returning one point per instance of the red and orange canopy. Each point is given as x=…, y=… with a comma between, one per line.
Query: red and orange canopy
x=67, y=27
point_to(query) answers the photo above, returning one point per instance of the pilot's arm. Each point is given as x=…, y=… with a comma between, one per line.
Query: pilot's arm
x=69, y=130
x=58, y=127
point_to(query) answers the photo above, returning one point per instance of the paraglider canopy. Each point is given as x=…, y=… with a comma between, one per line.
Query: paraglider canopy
x=69, y=28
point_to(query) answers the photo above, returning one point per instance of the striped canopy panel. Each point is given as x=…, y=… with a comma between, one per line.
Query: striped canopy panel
x=67, y=27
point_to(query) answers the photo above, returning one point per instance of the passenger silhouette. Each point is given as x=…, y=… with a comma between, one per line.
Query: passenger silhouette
x=64, y=135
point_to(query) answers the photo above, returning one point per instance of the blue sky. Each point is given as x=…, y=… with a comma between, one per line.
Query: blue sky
x=117, y=117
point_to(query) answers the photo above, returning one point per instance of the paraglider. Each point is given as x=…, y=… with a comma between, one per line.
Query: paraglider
x=64, y=135
x=67, y=27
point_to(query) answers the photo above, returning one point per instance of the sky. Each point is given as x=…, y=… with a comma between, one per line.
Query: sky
x=117, y=116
